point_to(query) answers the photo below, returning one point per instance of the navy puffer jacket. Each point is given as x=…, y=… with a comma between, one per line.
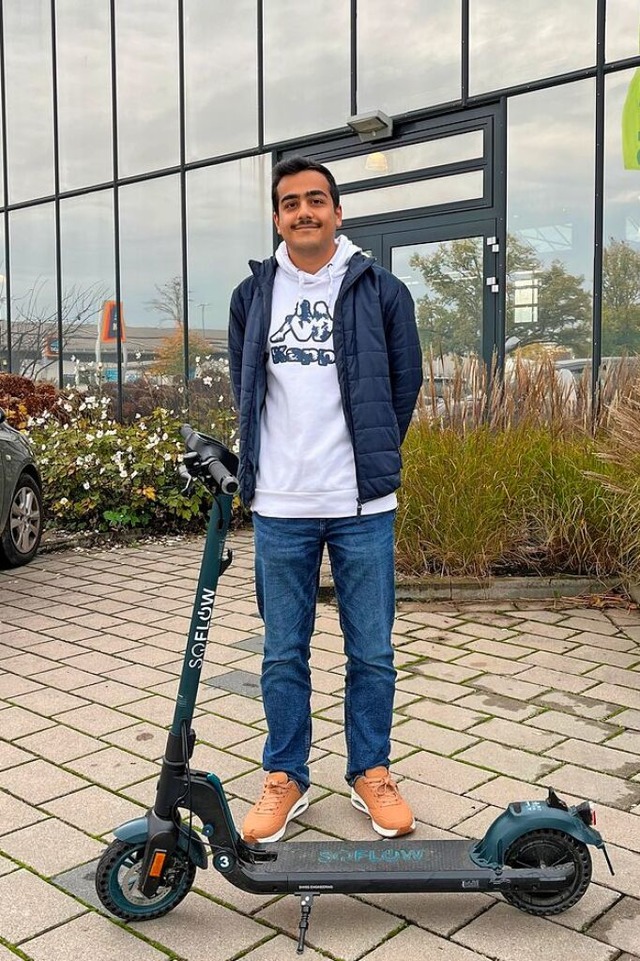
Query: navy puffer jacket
x=378, y=361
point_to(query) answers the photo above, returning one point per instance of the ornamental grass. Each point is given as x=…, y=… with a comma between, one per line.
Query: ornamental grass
x=523, y=480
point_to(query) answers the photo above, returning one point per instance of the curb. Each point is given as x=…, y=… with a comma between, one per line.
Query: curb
x=408, y=589
x=506, y=588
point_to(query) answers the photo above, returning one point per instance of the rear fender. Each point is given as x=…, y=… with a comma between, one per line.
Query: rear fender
x=523, y=817
x=137, y=832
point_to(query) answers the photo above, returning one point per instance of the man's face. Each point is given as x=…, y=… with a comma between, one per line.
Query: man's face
x=306, y=219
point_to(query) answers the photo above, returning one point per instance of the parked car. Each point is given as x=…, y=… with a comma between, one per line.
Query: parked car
x=21, y=514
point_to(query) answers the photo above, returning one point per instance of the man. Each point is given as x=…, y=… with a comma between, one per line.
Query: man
x=326, y=368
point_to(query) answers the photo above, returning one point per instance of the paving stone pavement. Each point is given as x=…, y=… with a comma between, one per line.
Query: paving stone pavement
x=494, y=702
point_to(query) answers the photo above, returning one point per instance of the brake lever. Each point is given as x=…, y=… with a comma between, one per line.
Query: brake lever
x=186, y=476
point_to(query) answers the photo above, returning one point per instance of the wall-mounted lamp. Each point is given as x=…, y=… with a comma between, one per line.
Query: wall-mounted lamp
x=371, y=126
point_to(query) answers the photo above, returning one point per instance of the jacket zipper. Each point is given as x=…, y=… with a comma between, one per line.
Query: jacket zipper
x=342, y=368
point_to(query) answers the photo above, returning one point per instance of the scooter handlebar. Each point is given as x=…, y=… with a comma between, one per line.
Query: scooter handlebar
x=214, y=457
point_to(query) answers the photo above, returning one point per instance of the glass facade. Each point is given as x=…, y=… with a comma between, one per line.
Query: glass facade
x=138, y=139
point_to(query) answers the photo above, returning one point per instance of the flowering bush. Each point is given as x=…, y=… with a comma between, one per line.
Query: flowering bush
x=101, y=475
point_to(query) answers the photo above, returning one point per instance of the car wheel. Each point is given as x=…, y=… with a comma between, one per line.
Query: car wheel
x=21, y=536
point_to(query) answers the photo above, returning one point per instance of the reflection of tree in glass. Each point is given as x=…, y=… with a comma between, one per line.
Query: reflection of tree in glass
x=169, y=359
x=169, y=301
x=450, y=314
x=620, y=299
x=34, y=325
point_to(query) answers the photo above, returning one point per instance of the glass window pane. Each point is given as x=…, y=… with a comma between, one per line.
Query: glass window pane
x=306, y=67
x=34, y=317
x=512, y=43
x=84, y=92
x=4, y=333
x=221, y=100
x=622, y=26
x=147, y=51
x=408, y=59
x=27, y=37
x=417, y=156
x=229, y=223
x=86, y=243
x=151, y=281
x=621, y=267
x=422, y=193
x=550, y=190
x=446, y=280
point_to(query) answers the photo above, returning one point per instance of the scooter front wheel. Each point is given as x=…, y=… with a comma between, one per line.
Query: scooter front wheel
x=549, y=849
x=117, y=883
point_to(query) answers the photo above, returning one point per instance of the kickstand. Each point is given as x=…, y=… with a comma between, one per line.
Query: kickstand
x=306, y=903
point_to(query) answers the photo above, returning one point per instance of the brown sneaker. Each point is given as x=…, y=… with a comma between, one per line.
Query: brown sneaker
x=280, y=802
x=377, y=794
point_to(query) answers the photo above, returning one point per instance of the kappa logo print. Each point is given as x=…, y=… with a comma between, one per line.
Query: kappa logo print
x=306, y=324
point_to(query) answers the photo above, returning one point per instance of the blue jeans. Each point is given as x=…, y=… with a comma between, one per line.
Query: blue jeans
x=288, y=553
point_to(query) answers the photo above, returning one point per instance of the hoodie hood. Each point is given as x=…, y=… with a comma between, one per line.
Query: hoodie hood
x=330, y=275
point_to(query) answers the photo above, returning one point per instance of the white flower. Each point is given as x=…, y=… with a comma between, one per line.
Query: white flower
x=63, y=501
x=86, y=485
x=207, y=381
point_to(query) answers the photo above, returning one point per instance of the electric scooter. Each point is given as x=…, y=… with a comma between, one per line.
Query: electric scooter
x=535, y=853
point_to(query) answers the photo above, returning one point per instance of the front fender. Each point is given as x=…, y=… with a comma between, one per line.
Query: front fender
x=137, y=832
x=521, y=818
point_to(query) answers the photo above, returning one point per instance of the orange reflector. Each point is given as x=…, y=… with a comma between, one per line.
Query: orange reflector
x=157, y=864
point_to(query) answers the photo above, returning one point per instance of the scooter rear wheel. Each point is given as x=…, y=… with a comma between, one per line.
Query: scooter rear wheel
x=117, y=879
x=548, y=848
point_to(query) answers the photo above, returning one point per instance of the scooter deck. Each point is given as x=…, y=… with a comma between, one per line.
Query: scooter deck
x=385, y=866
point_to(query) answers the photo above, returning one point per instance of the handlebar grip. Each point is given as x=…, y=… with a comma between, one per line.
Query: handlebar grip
x=223, y=477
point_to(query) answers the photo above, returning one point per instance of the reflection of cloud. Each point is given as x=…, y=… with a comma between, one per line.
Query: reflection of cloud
x=32, y=240
x=147, y=49
x=84, y=93
x=622, y=187
x=306, y=57
x=229, y=224
x=221, y=71
x=550, y=168
x=409, y=54
x=623, y=22
x=149, y=244
x=29, y=119
x=512, y=43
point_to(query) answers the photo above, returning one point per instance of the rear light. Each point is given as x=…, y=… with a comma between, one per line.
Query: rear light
x=586, y=812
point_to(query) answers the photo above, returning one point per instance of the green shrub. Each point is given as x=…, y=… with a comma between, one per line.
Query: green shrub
x=101, y=475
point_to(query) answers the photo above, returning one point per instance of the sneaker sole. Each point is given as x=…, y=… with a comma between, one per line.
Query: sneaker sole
x=298, y=808
x=360, y=805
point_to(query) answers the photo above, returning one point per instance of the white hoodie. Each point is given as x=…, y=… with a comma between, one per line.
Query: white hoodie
x=306, y=465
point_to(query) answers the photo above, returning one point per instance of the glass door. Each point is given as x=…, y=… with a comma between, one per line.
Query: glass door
x=452, y=274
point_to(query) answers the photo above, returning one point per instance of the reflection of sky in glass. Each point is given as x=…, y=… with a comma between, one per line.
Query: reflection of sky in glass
x=27, y=37
x=623, y=24
x=221, y=77
x=550, y=170
x=84, y=92
x=306, y=57
x=147, y=51
x=149, y=247
x=32, y=240
x=229, y=219
x=409, y=54
x=622, y=187
x=86, y=235
x=512, y=43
